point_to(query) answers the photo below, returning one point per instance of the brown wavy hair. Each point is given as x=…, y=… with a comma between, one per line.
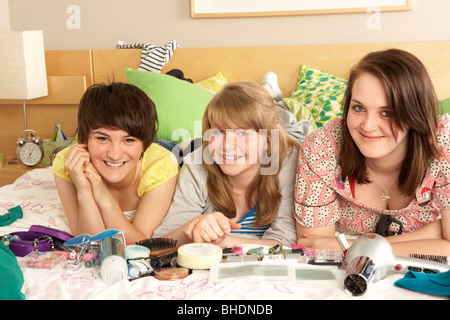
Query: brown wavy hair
x=412, y=103
x=249, y=106
x=117, y=106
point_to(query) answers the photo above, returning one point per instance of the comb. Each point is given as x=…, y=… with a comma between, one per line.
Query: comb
x=159, y=246
x=431, y=257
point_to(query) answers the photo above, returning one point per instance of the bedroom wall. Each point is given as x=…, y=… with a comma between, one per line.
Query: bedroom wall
x=4, y=16
x=86, y=24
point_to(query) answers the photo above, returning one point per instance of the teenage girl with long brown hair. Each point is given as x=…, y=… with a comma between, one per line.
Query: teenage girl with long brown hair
x=385, y=167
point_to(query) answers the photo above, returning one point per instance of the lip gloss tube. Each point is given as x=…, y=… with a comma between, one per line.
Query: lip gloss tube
x=72, y=255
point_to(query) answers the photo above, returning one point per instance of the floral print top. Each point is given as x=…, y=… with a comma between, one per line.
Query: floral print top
x=322, y=198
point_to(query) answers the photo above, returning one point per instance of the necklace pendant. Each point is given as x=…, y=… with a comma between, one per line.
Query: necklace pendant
x=385, y=197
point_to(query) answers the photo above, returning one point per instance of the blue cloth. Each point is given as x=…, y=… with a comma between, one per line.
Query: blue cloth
x=176, y=148
x=169, y=145
x=431, y=283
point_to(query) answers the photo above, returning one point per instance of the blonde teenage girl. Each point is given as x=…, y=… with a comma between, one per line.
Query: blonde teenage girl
x=238, y=187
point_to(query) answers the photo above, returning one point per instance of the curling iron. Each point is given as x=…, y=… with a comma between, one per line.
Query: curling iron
x=370, y=258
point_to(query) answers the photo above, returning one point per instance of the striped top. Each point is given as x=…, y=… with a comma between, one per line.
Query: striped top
x=153, y=58
x=191, y=199
x=247, y=225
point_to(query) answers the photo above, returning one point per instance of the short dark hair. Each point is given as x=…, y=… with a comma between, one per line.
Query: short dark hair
x=117, y=106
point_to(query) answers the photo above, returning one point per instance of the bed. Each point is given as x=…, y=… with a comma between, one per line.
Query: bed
x=209, y=69
x=36, y=193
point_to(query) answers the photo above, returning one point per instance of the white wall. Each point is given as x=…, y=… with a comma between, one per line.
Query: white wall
x=4, y=16
x=83, y=24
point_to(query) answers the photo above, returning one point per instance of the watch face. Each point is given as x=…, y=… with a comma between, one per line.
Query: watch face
x=30, y=154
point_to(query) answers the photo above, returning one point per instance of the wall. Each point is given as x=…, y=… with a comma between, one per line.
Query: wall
x=85, y=24
x=4, y=16
x=100, y=23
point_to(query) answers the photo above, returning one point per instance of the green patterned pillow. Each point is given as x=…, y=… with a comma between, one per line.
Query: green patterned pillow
x=321, y=93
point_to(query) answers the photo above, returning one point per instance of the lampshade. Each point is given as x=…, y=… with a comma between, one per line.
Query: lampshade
x=22, y=65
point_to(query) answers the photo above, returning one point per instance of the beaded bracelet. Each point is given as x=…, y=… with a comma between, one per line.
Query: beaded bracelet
x=8, y=238
x=35, y=242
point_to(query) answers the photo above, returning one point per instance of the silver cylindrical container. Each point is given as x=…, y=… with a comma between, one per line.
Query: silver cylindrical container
x=114, y=267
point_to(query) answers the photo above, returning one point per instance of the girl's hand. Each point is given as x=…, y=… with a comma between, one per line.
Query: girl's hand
x=77, y=160
x=212, y=228
x=318, y=242
x=99, y=190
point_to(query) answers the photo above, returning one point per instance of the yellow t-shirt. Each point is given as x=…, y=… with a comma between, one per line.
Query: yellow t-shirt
x=158, y=166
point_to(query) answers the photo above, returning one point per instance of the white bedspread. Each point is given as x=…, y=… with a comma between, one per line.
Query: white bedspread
x=36, y=193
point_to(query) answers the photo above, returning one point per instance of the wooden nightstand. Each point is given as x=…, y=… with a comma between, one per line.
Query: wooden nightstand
x=10, y=172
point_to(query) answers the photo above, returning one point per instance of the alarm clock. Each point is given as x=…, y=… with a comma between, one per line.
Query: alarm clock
x=29, y=148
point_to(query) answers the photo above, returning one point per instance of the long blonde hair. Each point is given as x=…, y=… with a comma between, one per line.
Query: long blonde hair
x=247, y=105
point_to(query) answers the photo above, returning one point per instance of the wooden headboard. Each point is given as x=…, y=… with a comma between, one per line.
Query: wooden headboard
x=71, y=71
x=250, y=63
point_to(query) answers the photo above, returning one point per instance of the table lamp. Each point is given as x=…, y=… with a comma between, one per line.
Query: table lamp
x=23, y=73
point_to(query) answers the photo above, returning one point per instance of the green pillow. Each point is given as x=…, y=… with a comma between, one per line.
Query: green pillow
x=321, y=93
x=180, y=105
x=445, y=106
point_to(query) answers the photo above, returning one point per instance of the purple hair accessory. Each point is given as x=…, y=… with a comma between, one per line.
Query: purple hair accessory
x=37, y=238
x=54, y=233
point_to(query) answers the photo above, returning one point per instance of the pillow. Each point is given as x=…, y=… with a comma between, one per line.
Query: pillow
x=213, y=84
x=444, y=106
x=321, y=93
x=300, y=112
x=180, y=105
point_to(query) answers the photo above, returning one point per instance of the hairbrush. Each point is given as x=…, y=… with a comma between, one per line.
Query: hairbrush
x=431, y=257
x=159, y=246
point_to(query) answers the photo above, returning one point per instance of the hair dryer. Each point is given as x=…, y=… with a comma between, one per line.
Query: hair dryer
x=370, y=258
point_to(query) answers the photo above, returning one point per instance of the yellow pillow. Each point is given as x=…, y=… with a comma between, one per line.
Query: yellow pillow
x=213, y=84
